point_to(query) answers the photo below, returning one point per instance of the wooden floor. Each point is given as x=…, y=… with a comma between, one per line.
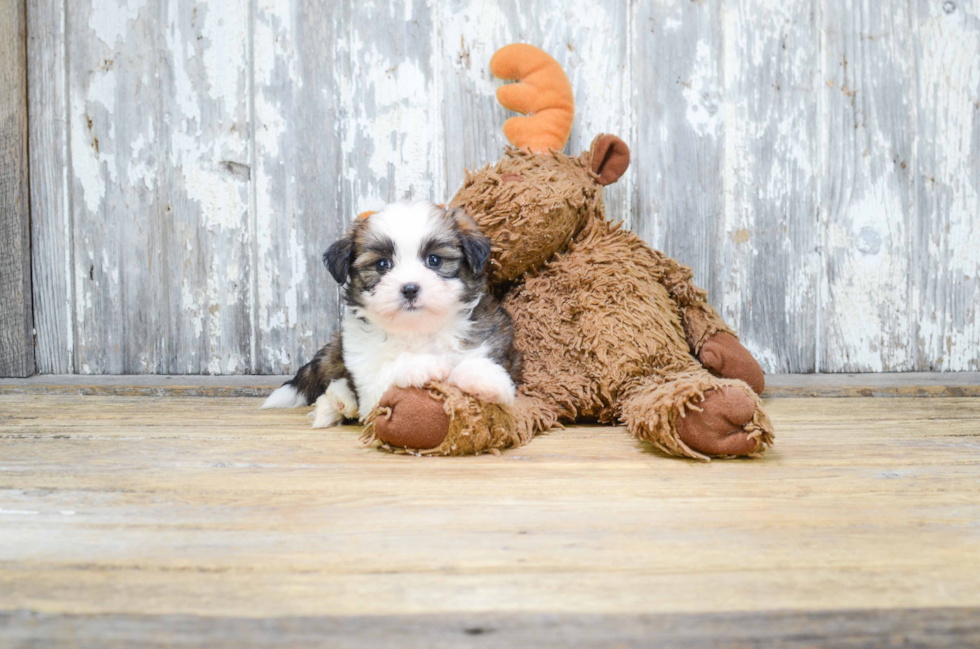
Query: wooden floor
x=147, y=521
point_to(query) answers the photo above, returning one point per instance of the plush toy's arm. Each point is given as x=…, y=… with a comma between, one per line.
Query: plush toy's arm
x=699, y=318
x=712, y=341
x=701, y=322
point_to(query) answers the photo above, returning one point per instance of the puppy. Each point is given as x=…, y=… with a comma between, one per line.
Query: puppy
x=417, y=311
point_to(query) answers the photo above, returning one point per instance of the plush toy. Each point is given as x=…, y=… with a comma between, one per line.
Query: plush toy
x=610, y=329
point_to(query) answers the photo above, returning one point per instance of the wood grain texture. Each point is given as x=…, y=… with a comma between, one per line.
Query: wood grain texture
x=300, y=205
x=929, y=628
x=51, y=227
x=869, y=169
x=678, y=145
x=159, y=159
x=392, y=140
x=770, y=258
x=945, y=287
x=16, y=310
x=133, y=508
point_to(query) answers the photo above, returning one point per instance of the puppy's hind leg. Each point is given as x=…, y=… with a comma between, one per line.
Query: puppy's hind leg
x=312, y=379
x=336, y=404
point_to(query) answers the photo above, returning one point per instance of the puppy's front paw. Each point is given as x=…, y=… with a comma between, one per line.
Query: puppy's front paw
x=325, y=414
x=485, y=380
x=417, y=371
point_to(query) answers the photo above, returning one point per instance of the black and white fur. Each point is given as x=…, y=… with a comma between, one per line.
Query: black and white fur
x=418, y=311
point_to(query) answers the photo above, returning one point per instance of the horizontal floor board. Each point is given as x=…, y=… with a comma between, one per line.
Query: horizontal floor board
x=907, y=384
x=849, y=629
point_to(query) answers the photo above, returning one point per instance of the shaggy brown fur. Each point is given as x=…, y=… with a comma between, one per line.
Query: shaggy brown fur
x=530, y=206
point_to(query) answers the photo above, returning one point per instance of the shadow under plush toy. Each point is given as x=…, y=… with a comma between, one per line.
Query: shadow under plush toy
x=610, y=329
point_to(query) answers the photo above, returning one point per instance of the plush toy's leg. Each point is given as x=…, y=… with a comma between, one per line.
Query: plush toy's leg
x=442, y=420
x=694, y=414
x=723, y=355
x=717, y=347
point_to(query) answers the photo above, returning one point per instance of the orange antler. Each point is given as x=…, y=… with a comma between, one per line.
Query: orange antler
x=543, y=94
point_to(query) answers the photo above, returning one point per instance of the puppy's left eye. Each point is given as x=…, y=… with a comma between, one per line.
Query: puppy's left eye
x=433, y=261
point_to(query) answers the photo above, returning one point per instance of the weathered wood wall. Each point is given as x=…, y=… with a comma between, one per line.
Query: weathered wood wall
x=16, y=328
x=817, y=163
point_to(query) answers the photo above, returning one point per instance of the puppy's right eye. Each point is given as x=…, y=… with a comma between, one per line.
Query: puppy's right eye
x=383, y=265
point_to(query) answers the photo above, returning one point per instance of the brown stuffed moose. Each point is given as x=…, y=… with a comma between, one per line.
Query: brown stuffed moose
x=610, y=329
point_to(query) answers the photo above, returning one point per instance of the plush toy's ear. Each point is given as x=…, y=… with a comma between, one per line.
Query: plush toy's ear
x=610, y=158
x=338, y=258
x=475, y=244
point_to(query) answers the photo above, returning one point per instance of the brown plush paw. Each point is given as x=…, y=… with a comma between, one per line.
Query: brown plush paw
x=415, y=419
x=724, y=356
x=717, y=429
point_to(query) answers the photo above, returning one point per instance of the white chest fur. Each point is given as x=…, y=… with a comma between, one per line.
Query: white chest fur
x=377, y=360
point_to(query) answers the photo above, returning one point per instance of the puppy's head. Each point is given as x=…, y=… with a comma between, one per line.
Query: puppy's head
x=410, y=268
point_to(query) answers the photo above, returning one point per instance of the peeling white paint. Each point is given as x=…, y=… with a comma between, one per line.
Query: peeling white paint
x=138, y=169
x=949, y=76
x=870, y=302
x=90, y=154
x=225, y=37
x=737, y=173
x=191, y=308
x=395, y=135
x=700, y=92
x=110, y=19
x=186, y=96
x=85, y=160
x=297, y=259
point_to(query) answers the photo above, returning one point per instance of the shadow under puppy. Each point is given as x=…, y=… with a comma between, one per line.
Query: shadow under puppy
x=418, y=311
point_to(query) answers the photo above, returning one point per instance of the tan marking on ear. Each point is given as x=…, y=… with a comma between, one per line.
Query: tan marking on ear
x=365, y=215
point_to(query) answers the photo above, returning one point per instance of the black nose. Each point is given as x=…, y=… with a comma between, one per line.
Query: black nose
x=410, y=291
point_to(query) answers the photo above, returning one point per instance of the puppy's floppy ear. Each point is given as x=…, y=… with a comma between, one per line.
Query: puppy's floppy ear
x=477, y=250
x=338, y=258
x=476, y=246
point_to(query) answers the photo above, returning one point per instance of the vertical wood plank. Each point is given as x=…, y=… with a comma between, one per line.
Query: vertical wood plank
x=869, y=167
x=678, y=153
x=160, y=166
x=770, y=261
x=391, y=106
x=348, y=118
x=298, y=171
x=16, y=313
x=946, y=239
x=51, y=217
x=589, y=39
